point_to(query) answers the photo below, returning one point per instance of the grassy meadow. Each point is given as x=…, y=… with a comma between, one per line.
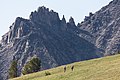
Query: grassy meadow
x=107, y=68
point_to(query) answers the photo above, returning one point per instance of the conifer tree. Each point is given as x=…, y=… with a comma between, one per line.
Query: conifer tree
x=13, y=69
x=32, y=66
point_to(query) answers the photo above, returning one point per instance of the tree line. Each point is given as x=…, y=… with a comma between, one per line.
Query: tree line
x=34, y=65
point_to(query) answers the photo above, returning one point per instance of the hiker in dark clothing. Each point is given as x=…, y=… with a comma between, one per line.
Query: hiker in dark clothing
x=72, y=67
x=65, y=69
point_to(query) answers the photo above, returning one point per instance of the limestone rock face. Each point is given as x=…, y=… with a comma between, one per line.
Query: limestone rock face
x=104, y=25
x=57, y=42
x=44, y=35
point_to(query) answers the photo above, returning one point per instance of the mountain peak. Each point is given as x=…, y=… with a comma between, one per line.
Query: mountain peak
x=44, y=15
x=63, y=19
x=56, y=42
x=43, y=8
x=71, y=21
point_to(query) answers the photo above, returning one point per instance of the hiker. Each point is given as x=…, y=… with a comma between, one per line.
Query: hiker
x=65, y=69
x=72, y=67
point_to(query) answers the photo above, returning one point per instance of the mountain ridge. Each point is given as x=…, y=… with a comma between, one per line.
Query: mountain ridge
x=104, y=25
x=44, y=35
x=57, y=42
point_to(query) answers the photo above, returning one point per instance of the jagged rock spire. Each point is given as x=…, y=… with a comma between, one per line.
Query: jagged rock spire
x=43, y=9
x=63, y=19
x=71, y=21
x=63, y=24
x=78, y=25
x=44, y=15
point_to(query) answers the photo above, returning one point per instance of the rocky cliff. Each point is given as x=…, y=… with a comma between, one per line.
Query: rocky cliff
x=104, y=25
x=57, y=42
x=54, y=41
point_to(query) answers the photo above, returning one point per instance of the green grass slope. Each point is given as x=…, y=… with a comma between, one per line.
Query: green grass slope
x=107, y=68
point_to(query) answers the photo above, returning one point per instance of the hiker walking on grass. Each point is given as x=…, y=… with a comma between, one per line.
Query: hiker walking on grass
x=72, y=67
x=65, y=69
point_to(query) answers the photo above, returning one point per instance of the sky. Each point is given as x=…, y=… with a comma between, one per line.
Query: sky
x=78, y=9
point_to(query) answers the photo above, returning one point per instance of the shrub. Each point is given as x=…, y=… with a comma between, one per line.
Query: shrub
x=13, y=69
x=47, y=73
